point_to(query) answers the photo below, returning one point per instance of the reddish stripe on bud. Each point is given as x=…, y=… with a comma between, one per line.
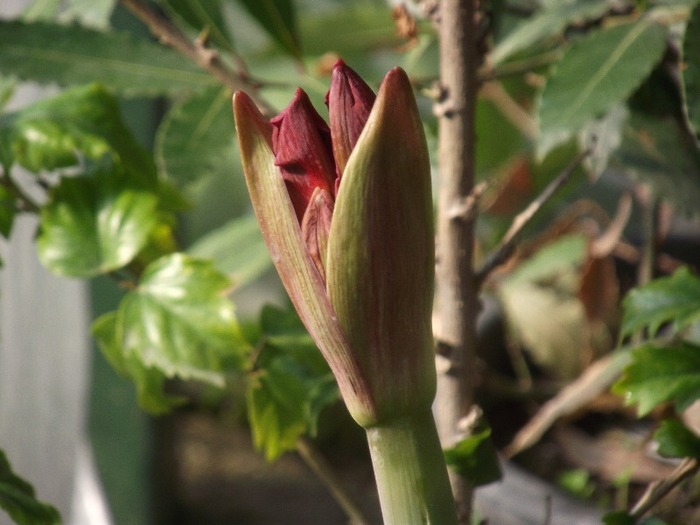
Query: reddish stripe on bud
x=301, y=143
x=349, y=101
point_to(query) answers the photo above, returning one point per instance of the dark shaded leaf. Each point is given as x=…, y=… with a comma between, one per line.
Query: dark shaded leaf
x=475, y=458
x=676, y=440
x=278, y=19
x=690, y=72
x=17, y=498
x=291, y=386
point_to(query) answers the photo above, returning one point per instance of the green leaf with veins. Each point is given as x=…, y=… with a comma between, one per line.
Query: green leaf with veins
x=179, y=321
x=18, y=499
x=176, y=323
x=196, y=141
x=149, y=381
x=96, y=223
x=69, y=55
x=290, y=387
x=674, y=299
x=84, y=120
x=661, y=374
x=594, y=74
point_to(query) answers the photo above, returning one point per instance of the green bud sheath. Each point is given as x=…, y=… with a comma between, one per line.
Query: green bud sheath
x=380, y=260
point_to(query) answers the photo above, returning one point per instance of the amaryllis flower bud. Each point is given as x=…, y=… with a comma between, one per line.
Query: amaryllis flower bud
x=301, y=142
x=349, y=101
x=357, y=263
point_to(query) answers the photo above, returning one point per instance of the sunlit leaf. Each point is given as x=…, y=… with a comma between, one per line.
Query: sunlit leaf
x=178, y=321
x=594, y=74
x=69, y=55
x=674, y=300
x=53, y=132
x=662, y=374
x=96, y=223
x=17, y=498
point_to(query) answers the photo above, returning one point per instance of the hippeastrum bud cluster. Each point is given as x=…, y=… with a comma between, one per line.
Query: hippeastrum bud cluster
x=346, y=213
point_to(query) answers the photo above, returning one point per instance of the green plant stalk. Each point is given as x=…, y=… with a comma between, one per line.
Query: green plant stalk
x=409, y=467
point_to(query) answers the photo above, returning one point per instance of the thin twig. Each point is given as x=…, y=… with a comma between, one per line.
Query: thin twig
x=208, y=59
x=316, y=462
x=505, y=248
x=657, y=490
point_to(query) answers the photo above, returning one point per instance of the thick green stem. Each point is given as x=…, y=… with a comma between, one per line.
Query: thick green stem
x=410, y=470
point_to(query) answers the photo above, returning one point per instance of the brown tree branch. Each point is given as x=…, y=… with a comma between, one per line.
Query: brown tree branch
x=208, y=59
x=657, y=490
x=457, y=303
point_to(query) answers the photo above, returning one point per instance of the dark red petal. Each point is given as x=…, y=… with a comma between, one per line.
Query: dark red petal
x=316, y=226
x=301, y=143
x=349, y=102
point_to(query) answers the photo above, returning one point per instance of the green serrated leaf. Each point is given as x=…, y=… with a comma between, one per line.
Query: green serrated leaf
x=475, y=458
x=594, y=74
x=291, y=387
x=661, y=374
x=49, y=134
x=547, y=24
x=17, y=498
x=179, y=322
x=690, y=72
x=96, y=223
x=203, y=16
x=68, y=55
x=196, y=141
x=149, y=382
x=237, y=248
x=278, y=19
x=674, y=299
x=676, y=440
